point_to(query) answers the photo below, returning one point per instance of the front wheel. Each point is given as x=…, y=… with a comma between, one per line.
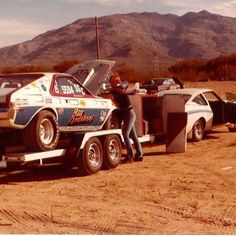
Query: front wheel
x=112, y=151
x=91, y=159
x=198, y=131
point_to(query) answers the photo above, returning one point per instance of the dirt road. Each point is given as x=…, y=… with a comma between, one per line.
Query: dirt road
x=187, y=193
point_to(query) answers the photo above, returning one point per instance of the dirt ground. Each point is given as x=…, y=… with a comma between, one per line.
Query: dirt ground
x=186, y=193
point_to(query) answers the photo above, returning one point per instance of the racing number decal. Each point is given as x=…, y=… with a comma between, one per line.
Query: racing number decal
x=67, y=89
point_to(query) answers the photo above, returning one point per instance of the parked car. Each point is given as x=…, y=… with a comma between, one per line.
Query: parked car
x=36, y=108
x=158, y=84
x=205, y=109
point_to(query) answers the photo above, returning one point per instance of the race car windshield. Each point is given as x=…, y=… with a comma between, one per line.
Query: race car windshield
x=17, y=80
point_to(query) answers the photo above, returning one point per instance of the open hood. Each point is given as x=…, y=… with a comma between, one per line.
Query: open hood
x=92, y=74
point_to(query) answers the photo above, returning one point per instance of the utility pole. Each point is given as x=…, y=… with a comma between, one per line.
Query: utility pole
x=97, y=38
x=156, y=66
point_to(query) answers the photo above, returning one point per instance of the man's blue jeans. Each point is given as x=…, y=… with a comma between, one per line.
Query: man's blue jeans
x=128, y=131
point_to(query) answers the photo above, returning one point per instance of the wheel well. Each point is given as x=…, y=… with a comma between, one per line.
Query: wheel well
x=203, y=122
x=45, y=109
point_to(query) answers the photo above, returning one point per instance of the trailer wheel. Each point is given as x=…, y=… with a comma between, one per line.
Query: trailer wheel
x=90, y=162
x=42, y=134
x=112, y=151
x=198, y=131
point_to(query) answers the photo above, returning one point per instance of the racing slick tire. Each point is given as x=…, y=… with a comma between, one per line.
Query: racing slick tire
x=90, y=162
x=42, y=134
x=112, y=151
x=198, y=131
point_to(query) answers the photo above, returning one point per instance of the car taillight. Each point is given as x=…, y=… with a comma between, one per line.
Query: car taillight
x=6, y=103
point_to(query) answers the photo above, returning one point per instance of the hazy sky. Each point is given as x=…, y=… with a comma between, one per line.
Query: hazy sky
x=22, y=20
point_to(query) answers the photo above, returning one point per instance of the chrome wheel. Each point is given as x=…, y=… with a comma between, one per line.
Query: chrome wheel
x=114, y=150
x=94, y=155
x=198, y=131
x=46, y=131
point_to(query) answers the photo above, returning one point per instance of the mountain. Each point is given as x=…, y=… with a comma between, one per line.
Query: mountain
x=139, y=40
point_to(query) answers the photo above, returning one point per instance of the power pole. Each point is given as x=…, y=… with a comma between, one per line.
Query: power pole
x=97, y=38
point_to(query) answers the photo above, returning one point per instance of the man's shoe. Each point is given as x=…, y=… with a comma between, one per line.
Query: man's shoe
x=127, y=160
x=138, y=158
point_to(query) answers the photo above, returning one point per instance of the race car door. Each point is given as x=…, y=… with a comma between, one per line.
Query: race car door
x=230, y=112
x=222, y=111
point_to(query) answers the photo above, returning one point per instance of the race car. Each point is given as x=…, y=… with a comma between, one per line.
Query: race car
x=36, y=108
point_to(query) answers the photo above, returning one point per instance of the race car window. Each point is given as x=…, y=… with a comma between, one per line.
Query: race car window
x=68, y=86
x=199, y=99
x=17, y=80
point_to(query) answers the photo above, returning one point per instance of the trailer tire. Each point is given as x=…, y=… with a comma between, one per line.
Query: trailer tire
x=90, y=162
x=42, y=134
x=112, y=151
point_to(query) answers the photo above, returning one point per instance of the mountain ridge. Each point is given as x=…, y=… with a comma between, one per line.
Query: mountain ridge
x=143, y=41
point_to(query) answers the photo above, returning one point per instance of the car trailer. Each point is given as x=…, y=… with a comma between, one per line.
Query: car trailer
x=90, y=151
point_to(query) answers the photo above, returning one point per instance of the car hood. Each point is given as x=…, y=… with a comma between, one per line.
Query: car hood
x=92, y=74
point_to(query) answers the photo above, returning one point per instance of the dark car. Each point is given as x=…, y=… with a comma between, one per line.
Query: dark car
x=158, y=84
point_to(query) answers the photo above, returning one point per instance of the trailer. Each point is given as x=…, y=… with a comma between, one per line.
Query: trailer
x=89, y=151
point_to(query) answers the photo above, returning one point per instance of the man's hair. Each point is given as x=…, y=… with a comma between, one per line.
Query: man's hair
x=115, y=80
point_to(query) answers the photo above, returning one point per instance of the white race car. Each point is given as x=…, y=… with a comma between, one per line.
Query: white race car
x=35, y=108
x=205, y=109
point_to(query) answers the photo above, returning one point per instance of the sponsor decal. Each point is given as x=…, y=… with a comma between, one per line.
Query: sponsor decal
x=103, y=115
x=78, y=117
x=82, y=103
x=33, y=84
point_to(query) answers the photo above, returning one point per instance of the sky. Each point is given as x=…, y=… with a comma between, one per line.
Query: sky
x=22, y=20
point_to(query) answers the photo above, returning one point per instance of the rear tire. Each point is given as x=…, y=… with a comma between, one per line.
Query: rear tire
x=112, y=151
x=42, y=134
x=198, y=131
x=91, y=159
